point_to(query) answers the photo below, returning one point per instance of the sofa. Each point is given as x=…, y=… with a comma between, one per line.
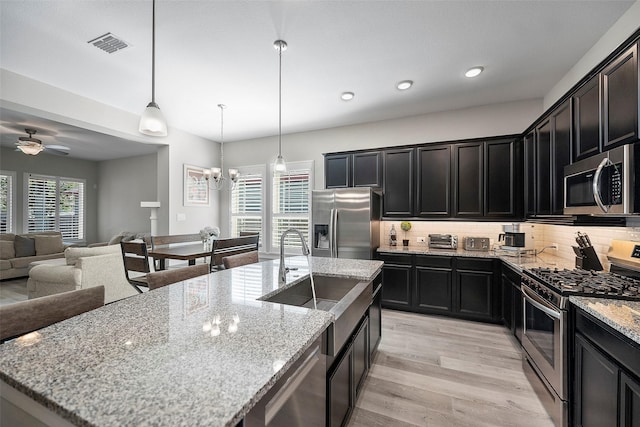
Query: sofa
x=83, y=268
x=17, y=251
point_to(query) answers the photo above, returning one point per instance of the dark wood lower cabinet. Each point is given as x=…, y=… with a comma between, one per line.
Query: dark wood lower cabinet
x=629, y=401
x=606, y=368
x=596, y=386
x=345, y=378
x=511, y=301
x=375, y=322
x=466, y=287
x=339, y=391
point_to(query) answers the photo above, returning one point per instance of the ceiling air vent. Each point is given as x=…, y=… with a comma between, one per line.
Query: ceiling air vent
x=109, y=42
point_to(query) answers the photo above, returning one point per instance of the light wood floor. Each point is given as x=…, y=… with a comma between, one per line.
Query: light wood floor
x=436, y=371
x=13, y=290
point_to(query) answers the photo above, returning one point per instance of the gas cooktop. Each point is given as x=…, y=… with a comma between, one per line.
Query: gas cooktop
x=587, y=283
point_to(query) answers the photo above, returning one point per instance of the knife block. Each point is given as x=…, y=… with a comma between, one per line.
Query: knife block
x=587, y=259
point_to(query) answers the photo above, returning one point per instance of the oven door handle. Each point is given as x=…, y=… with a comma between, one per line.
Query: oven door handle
x=549, y=311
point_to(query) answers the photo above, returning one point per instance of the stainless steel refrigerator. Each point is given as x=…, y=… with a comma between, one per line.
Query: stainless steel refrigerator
x=345, y=223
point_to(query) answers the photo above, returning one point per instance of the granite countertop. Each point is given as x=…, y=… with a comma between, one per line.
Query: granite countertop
x=518, y=263
x=198, y=352
x=621, y=315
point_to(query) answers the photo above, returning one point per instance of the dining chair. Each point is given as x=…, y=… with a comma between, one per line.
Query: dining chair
x=240, y=259
x=232, y=246
x=135, y=259
x=27, y=316
x=162, y=278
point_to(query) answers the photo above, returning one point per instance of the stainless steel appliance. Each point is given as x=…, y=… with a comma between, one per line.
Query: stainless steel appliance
x=607, y=183
x=443, y=241
x=345, y=223
x=545, y=298
x=476, y=244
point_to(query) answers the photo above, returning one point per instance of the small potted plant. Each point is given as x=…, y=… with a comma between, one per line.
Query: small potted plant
x=405, y=226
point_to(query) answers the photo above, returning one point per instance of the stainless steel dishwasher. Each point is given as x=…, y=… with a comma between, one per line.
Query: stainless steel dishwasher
x=299, y=398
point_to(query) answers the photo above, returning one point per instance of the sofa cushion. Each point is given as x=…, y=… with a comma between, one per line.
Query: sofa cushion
x=72, y=254
x=24, y=262
x=5, y=264
x=7, y=236
x=46, y=245
x=24, y=246
x=6, y=249
x=124, y=236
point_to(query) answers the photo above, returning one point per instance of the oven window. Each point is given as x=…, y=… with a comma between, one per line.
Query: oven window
x=540, y=329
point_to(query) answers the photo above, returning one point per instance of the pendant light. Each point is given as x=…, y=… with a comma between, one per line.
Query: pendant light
x=217, y=174
x=280, y=166
x=152, y=121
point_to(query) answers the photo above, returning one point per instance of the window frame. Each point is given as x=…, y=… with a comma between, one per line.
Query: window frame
x=267, y=245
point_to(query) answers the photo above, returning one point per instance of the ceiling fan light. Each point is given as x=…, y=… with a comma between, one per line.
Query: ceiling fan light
x=31, y=149
x=152, y=121
x=473, y=72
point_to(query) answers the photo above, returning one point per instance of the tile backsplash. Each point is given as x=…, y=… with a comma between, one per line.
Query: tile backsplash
x=544, y=234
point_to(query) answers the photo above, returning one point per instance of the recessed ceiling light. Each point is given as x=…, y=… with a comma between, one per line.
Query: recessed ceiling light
x=347, y=96
x=472, y=72
x=404, y=85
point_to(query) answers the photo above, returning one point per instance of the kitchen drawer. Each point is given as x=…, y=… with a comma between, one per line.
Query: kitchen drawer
x=476, y=264
x=400, y=259
x=434, y=261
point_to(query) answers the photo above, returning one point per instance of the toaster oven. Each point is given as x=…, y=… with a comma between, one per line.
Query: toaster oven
x=443, y=241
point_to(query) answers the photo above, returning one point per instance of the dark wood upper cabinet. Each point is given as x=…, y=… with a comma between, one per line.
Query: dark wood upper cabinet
x=530, y=173
x=367, y=169
x=561, y=139
x=433, y=185
x=337, y=170
x=398, y=182
x=543, y=168
x=620, y=100
x=503, y=179
x=586, y=119
x=468, y=179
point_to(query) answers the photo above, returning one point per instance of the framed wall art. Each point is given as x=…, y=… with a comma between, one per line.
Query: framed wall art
x=196, y=189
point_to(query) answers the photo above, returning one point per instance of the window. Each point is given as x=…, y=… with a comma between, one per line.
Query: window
x=7, y=201
x=247, y=201
x=54, y=203
x=291, y=200
x=271, y=204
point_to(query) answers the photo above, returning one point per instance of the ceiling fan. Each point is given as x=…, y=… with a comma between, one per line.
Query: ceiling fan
x=33, y=146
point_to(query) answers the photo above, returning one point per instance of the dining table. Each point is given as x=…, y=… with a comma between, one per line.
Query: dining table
x=183, y=253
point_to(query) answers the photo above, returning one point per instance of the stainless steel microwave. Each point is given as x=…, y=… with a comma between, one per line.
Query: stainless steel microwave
x=605, y=184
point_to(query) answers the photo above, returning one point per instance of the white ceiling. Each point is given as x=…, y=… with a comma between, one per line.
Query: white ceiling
x=211, y=52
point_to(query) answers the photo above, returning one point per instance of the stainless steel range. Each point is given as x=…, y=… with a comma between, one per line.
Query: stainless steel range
x=545, y=298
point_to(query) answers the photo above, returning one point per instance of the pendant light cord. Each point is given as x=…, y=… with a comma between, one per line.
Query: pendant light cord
x=280, y=103
x=222, y=107
x=153, y=53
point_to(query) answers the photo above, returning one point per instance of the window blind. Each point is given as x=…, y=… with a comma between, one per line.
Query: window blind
x=55, y=203
x=247, y=204
x=291, y=199
x=6, y=202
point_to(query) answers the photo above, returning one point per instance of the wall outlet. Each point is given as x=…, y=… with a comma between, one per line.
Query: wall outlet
x=420, y=240
x=554, y=246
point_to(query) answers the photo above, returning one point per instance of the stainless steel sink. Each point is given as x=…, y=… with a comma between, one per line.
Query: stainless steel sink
x=346, y=299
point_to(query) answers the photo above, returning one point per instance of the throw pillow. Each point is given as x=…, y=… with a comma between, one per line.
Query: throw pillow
x=24, y=246
x=6, y=249
x=46, y=245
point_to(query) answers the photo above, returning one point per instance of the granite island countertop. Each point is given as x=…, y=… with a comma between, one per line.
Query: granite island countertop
x=518, y=263
x=621, y=315
x=198, y=352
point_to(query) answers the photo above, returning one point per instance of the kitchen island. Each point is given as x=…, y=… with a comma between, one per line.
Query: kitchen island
x=199, y=352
